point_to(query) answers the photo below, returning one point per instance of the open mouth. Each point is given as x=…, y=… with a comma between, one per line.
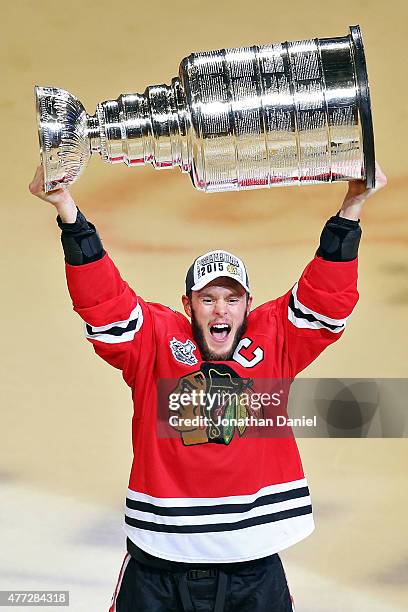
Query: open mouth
x=220, y=331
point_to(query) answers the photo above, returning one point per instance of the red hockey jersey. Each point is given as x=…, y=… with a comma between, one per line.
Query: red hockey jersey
x=202, y=502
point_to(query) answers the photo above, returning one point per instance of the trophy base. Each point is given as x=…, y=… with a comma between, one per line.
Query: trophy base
x=363, y=94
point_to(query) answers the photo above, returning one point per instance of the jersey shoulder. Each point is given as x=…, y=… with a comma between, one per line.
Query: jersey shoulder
x=166, y=318
x=265, y=316
x=266, y=309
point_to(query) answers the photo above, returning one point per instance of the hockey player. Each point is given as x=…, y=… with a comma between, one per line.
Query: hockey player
x=203, y=529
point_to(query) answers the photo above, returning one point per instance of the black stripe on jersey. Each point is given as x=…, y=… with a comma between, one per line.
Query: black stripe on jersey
x=299, y=314
x=113, y=331
x=251, y=522
x=273, y=498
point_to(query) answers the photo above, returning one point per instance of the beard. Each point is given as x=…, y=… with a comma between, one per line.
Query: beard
x=206, y=353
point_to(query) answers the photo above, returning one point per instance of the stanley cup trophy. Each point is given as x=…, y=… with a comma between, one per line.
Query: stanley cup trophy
x=282, y=114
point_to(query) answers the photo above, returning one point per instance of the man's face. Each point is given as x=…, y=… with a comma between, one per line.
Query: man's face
x=218, y=317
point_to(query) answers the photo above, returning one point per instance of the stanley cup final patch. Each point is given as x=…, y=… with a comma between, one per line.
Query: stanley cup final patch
x=184, y=351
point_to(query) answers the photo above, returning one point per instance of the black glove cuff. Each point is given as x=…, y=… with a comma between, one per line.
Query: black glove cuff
x=80, y=241
x=79, y=224
x=340, y=239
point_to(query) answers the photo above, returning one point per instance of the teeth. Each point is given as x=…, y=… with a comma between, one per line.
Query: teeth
x=220, y=326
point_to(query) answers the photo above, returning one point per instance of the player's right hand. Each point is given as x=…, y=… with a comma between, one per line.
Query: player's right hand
x=60, y=198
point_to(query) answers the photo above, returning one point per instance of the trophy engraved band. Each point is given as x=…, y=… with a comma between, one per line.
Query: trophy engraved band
x=282, y=114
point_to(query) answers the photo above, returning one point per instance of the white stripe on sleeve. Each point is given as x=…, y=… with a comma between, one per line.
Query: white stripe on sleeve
x=305, y=318
x=118, y=331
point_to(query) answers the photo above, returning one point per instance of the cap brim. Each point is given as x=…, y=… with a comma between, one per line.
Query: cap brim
x=210, y=277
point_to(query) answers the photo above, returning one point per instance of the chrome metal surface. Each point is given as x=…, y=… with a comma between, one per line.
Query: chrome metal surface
x=282, y=114
x=63, y=135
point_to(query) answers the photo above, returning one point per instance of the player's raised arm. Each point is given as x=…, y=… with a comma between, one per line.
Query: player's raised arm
x=112, y=312
x=316, y=310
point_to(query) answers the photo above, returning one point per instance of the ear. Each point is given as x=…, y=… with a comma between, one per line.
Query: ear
x=249, y=304
x=186, y=305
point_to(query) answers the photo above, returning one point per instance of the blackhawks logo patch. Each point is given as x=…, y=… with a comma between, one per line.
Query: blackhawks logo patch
x=216, y=403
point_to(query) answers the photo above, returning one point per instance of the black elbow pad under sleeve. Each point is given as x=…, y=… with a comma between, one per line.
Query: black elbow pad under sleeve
x=80, y=241
x=339, y=239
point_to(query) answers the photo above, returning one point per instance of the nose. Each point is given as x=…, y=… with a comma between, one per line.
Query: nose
x=220, y=307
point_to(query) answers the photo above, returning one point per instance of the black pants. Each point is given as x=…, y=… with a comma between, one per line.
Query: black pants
x=261, y=587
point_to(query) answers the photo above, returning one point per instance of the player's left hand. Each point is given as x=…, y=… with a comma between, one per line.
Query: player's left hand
x=358, y=193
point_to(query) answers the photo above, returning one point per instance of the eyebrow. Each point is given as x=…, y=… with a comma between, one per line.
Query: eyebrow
x=232, y=293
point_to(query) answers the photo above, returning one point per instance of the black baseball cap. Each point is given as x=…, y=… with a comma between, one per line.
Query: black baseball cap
x=215, y=264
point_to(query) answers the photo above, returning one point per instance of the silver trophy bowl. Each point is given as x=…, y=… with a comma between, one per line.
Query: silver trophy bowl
x=283, y=114
x=63, y=134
